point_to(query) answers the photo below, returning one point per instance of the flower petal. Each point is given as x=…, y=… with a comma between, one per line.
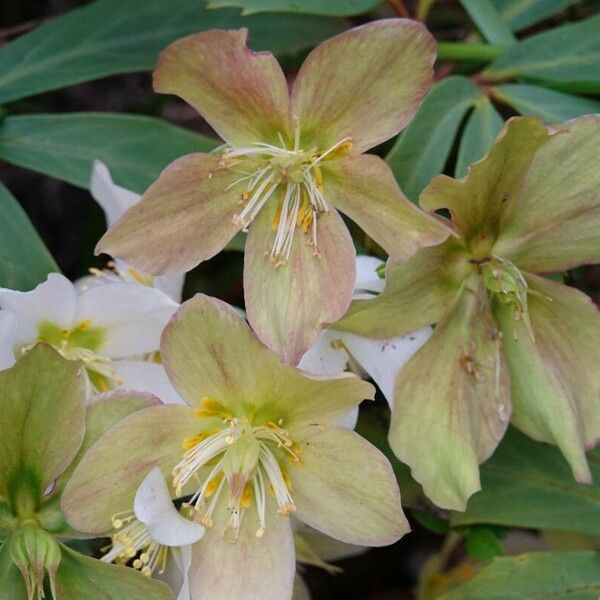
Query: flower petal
x=146, y=376
x=287, y=305
x=455, y=388
x=113, y=199
x=184, y=218
x=364, y=189
x=555, y=379
x=242, y=94
x=323, y=357
x=346, y=488
x=248, y=569
x=8, y=329
x=52, y=301
x=106, y=480
x=553, y=223
x=366, y=84
x=153, y=507
x=131, y=316
x=417, y=293
x=367, y=279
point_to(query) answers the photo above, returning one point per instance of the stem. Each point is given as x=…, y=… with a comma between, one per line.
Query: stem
x=467, y=52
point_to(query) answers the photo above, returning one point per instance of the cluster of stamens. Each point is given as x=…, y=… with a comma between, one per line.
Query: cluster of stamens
x=266, y=168
x=265, y=448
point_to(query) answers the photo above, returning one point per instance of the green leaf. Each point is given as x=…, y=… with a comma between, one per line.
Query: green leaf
x=537, y=575
x=109, y=37
x=422, y=149
x=483, y=544
x=573, y=67
x=340, y=8
x=430, y=521
x=519, y=14
x=529, y=484
x=134, y=148
x=12, y=586
x=488, y=21
x=24, y=259
x=480, y=132
x=550, y=105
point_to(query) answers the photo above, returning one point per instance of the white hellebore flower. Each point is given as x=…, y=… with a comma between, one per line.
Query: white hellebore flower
x=155, y=535
x=108, y=327
x=381, y=359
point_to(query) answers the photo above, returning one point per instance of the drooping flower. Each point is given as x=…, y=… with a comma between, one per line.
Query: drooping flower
x=258, y=443
x=381, y=359
x=507, y=340
x=102, y=326
x=290, y=161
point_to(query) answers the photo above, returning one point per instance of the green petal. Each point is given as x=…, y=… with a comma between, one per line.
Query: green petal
x=554, y=223
x=249, y=568
x=80, y=577
x=184, y=218
x=42, y=411
x=12, y=586
x=417, y=293
x=241, y=93
x=364, y=188
x=346, y=488
x=288, y=305
x=478, y=201
x=456, y=389
x=555, y=379
x=105, y=481
x=366, y=84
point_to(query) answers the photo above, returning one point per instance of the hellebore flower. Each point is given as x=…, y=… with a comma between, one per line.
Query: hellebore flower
x=258, y=443
x=507, y=340
x=45, y=431
x=290, y=161
x=380, y=359
x=98, y=326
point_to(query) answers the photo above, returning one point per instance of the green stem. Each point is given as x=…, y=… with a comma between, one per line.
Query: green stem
x=467, y=52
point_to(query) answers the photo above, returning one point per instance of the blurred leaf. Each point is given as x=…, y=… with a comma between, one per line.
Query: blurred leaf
x=487, y=19
x=566, y=57
x=422, y=149
x=430, y=521
x=423, y=8
x=519, y=14
x=529, y=484
x=483, y=544
x=341, y=8
x=112, y=36
x=134, y=148
x=550, y=105
x=557, y=575
x=24, y=259
x=481, y=130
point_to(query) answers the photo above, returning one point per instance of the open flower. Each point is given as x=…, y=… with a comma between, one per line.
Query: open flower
x=290, y=160
x=507, y=340
x=381, y=359
x=101, y=326
x=258, y=443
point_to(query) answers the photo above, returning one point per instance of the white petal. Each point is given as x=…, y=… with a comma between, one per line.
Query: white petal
x=113, y=199
x=322, y=358
x=383, y=359
x=146, y=376
x=367, y=278
x=8, y=328
x=154, y=508
x=52, y=301
x=172, y=285
x=132, y=315
x=182, y=557
x=350, y=420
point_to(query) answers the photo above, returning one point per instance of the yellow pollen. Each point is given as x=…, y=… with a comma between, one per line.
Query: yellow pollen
x=209, y=407
x=246, y=497
x=84, y=325
x=212, y=486
x=342, y=150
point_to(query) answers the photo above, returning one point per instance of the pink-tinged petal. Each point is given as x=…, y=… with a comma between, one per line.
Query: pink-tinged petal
x=365, y=83
x=346, y=488
x=555, y=379
x=288, y=305
x=251, y=567
x=184, y=218
x=456, y=389
x=242, y=94
x=364, y=188
x=106, y=480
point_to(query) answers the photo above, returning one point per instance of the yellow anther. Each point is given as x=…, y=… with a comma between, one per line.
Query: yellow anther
x=212, y=486
x=190, y=442
x=117, y=523
x=342, y=150
x=145, y=557
x=246, y=497
x=209, y=407
x=84, y=325
x=147, y=571
x=137, y=564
